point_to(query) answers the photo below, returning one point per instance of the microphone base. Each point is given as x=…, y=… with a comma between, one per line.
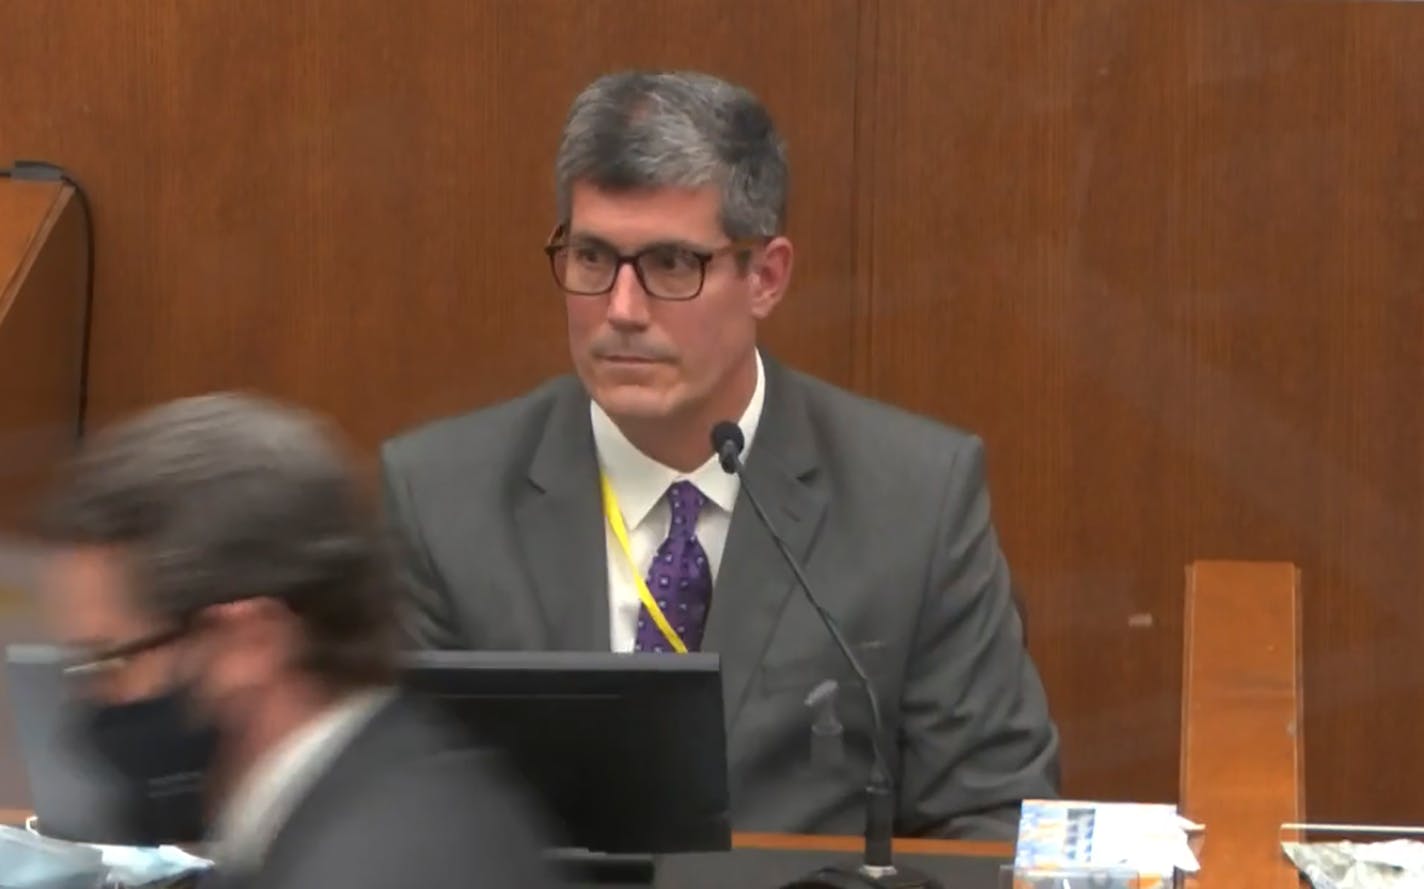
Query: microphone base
x=856, y=877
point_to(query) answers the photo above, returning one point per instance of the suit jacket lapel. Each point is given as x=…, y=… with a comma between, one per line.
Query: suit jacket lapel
x=561, y=526
x=753, y=582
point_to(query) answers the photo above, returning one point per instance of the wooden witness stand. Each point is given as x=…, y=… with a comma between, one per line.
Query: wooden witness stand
x=1241, y=761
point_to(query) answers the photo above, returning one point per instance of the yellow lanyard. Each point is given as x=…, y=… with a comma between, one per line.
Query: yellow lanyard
x=615, y=521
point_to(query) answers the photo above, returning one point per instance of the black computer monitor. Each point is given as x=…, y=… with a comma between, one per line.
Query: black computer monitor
x=627, y=751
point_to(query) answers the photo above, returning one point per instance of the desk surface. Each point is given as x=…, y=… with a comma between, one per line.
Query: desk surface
x=771, y=860
x=785, y=841
x=801, y=853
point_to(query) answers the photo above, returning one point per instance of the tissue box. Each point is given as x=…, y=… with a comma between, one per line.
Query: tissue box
x=1077, y=843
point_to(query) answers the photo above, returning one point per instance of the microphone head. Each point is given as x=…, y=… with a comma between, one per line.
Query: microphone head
x=727, y=444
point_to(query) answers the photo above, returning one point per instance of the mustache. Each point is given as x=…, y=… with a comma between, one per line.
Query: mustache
x=618, y=348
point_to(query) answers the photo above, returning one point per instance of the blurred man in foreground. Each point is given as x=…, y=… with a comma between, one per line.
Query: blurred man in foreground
x=591, y=512
x=231, y=610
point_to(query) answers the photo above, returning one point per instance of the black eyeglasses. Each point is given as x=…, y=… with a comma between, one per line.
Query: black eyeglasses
x=116, y=657
x=666, y=271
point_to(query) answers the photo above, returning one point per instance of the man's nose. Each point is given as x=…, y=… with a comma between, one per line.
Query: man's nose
x=628, y=301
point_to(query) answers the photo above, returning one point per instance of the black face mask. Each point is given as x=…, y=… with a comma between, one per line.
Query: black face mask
x=163, y=754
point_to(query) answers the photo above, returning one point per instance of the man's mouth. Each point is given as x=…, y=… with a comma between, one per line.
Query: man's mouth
x=630, y=359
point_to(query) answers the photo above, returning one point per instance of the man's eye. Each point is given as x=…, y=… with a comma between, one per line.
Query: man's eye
x=672, y=259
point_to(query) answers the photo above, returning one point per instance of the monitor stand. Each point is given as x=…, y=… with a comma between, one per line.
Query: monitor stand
x=584, y=868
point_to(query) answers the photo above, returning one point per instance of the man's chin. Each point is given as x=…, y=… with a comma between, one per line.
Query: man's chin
x=634, y=403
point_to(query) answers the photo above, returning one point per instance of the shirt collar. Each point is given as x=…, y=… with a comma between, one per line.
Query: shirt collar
x=639, y=481
x=268, y=793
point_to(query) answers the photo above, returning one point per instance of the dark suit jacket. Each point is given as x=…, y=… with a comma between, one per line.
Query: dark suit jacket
x=889, y=512
x=407, y=804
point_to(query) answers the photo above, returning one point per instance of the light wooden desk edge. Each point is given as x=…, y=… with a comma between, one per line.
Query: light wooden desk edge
x=811, y=843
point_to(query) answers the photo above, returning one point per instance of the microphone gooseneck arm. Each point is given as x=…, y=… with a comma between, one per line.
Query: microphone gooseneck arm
x=880, y=809
x=728, y=442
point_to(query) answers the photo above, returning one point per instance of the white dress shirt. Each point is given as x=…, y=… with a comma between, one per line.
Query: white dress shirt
x=268, y=793
x=639, y=482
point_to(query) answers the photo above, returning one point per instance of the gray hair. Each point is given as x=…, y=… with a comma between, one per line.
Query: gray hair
x=224, y=497
x=640, y=129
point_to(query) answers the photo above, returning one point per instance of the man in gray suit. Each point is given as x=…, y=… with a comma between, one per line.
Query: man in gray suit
x=229, y=604
x=591, y=513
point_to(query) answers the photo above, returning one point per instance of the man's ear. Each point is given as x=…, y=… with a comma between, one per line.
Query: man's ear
x=261, y=630
x=771, y=274
x=247, y=614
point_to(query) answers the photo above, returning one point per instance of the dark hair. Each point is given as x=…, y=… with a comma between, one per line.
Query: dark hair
x=651, y=129
x=225, y=497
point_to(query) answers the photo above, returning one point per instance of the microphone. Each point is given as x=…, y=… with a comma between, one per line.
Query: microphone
x=877, y=870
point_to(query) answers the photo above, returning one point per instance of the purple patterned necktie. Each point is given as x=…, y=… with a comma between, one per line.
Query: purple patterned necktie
x=679, y=578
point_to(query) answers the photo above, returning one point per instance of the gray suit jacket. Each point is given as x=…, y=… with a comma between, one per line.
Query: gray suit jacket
x=409, y=802
x=889, y=513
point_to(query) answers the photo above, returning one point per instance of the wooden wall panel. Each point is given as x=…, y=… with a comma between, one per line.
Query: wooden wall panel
x=1164, y=258
x=344, y=202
